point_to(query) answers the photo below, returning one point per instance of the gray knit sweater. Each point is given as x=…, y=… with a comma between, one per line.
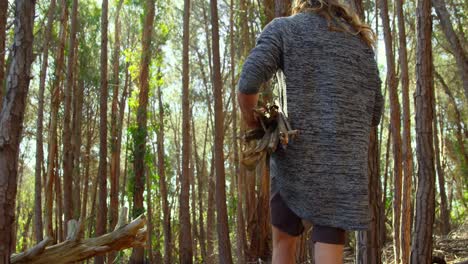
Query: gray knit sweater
x=334, y=96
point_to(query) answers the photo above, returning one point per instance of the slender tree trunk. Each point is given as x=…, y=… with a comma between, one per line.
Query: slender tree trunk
x=78, y=88
x=140, y=137
x=240, y=227
x=195, y=236
x=210, y=218
x=456, y=46
x=115, y=139
x=282, y=8
x=87, y=160
x=58, y=199
x=93, y=204
x=261, y=228
x=249, y=178
x=208, y=44
x=122, y=103
x=18, y=205
x=407, y=154
x=185, y=236
x=444, y=212
x=224, y=244
x=383, y=235
x=158, y=258
x=11, y=120
x=368, y=243
x=3, y=22
x=67, y=129
x=458, y=117
x=101, y=223
x=368, y=246
x=40, y=126
x=395, y=125
x=115, y=150
x=268, y=11
x=201, y=172
x=244, y=28
x=149, y=207
x=26, y=230
x=54, y=108
x=163, y=184
x=421, y=251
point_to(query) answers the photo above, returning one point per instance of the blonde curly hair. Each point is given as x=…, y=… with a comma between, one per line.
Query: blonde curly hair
x=338, y=12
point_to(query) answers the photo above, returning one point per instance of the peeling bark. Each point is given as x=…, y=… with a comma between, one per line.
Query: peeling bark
x=11, y=120
x=421, y=251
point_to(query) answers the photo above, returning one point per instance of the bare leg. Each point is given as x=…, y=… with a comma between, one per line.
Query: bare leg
x=284, y=247
x=328, y=253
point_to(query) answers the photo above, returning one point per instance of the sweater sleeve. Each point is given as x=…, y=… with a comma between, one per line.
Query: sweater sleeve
x=264, y=59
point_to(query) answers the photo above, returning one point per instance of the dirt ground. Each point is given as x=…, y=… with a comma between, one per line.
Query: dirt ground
x=453, y=249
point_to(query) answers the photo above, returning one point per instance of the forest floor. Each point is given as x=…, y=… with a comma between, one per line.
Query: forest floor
x=453, y=248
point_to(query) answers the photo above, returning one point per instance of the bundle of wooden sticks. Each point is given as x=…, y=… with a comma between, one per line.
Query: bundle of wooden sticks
x=275, y=130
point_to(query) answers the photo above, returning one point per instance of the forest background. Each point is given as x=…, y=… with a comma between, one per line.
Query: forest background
x=132, y=104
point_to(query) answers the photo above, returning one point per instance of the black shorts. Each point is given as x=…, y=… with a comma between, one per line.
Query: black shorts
x=283, y=218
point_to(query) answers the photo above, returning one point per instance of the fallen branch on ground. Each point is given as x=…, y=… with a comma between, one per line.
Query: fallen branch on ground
x=74, y=249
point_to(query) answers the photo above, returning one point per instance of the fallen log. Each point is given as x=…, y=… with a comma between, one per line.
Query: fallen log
x=74, y=249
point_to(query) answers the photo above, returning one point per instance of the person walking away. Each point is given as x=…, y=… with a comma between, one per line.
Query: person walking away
x=333, y=97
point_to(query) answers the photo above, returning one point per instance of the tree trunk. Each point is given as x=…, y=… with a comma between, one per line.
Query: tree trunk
x=18, y=205
x=268, y=11
x=40, y=126
x=11, y=120
x=224, y=244
x=3, y=22
x=58, y=200
x=101, y=223
x=201, y=172
x=260, y=236
x=444, y=212
x=240, y=226
x=67, y=129
x=93, y=203
x=395, y=125
x=87, y=160
x=123, y=99
x=455, y=45
x=185, y=236
x=26, y=228
x=115, y=139
x=368, y=246
x=210, y=216
x=78, y=91
x=140, y=137
x=282, y=8
x=149, y=207
x=245, y=42
x=421, y=251
x=195, y=236
x=54, y=108
x=407, y=154
x=115, y=150
x=458, y=118
x=163, y=184
x=368, y=243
